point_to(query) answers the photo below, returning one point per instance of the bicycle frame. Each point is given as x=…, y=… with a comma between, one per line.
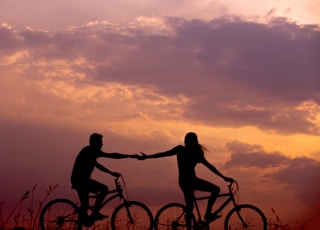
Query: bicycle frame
x=240, y=216
x=222, y=206
x=62, y=213
x=118, y=193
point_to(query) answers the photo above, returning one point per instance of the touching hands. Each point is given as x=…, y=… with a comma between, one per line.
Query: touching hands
x=143, y=156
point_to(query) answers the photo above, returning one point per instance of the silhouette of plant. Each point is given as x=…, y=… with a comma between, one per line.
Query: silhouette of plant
x=15, y=212
x=34, y=220
x=16, y=216
x=278, y=225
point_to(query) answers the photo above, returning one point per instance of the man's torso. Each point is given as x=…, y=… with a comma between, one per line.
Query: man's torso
x=83, y=166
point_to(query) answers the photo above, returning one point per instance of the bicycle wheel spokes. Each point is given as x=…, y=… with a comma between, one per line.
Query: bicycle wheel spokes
x=246, y=217
x=132, y=215
x=172, y=216
x=59, y=214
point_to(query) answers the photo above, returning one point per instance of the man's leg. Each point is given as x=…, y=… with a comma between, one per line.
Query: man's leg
x=84, y=202
x=101, y=191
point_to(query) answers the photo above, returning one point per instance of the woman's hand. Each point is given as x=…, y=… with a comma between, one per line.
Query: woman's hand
x=143, y=156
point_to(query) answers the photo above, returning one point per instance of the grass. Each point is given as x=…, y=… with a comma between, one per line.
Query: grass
x=25, y=213
x=277, y=224
x=24, y=218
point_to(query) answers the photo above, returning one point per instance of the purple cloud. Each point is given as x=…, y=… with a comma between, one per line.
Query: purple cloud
x=246, y=155
x=234, y=73
x=300, y=173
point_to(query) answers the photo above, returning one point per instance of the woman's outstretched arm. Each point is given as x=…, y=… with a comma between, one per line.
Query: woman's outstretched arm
x=168, y=153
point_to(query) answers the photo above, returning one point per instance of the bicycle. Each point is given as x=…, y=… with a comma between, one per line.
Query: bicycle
x=63, y=213
x=241, y=216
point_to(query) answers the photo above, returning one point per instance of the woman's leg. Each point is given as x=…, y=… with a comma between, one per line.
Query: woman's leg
x=203, y=185
x=189, y=199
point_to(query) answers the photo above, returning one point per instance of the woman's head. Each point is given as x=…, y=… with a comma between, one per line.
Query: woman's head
x=191, y=140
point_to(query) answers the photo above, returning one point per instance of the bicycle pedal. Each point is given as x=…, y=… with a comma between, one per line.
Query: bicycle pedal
x=215, y=217
x=99, y=216
x=201, y=223
x=212, y=217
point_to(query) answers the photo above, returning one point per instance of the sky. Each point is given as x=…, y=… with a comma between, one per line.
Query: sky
x=243, y=75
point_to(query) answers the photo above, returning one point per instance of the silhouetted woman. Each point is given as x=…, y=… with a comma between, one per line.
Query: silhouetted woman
x=188, y=157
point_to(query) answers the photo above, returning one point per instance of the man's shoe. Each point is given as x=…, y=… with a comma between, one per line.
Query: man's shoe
x=203, y=225
x=86, y=220
x=211, y=216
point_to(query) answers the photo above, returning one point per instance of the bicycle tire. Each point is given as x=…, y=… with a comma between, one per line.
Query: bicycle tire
x=172, y=216
x=132, y=215
x=253, y=218
x=59, y=214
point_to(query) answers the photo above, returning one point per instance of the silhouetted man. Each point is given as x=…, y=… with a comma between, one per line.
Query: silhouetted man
x=81, y=180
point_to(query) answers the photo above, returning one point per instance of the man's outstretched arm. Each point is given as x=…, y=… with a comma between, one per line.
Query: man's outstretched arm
x=118, y=155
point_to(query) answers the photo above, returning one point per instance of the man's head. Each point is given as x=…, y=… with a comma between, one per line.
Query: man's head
x=96, y=140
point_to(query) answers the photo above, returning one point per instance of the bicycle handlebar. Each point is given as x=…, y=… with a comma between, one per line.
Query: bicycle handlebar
x=230, y=183
x=116, y=180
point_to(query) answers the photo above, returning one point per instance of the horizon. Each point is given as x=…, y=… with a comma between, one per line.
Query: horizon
x=244, y=77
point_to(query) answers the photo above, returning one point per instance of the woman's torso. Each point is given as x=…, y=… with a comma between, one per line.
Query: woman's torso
x=187, y=160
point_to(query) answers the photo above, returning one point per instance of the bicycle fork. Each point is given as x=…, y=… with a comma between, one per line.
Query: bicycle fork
x=127, y=205
x=238, y=209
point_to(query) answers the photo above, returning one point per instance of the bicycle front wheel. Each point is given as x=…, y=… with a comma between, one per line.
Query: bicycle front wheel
x=173, y=216
x=59, y=214
x=245, y=216
x=132, y=215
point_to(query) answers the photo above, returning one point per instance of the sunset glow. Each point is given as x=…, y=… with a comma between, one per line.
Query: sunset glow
x=244, y=76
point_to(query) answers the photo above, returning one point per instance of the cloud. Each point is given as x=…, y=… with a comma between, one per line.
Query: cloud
x=300, y=173
x=247, y=155
x=228, y=72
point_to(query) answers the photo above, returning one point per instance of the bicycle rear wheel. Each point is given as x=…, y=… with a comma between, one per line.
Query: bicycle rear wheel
x=173, y=216
x=245, y=216
x=59, y=214
x=132, y=215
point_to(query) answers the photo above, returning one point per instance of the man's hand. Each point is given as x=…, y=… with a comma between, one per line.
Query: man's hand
x=116, y=174
x=142, y=156
x=228, y=179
